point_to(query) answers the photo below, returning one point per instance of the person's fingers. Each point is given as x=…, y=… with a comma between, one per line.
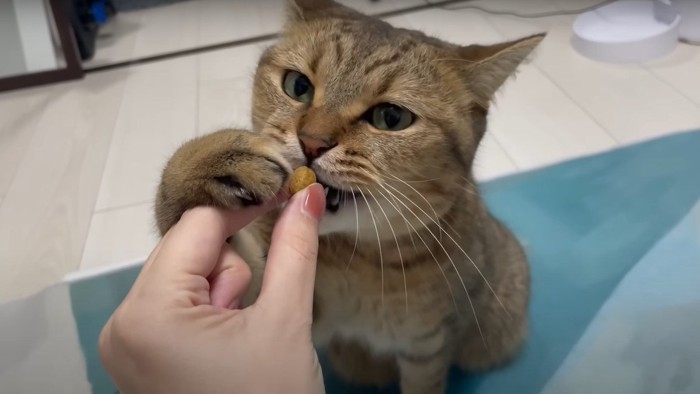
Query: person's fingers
x=230, y=279
x=193, y=245
x=288, y=281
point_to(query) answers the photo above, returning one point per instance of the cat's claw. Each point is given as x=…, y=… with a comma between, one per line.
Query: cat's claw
x=247, y=198
x=237, y=189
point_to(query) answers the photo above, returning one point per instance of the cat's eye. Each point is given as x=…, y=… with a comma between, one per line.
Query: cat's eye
x=298, y=87
x=390, y=117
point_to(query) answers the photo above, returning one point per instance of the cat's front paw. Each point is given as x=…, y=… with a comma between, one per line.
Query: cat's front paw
x=228, y=169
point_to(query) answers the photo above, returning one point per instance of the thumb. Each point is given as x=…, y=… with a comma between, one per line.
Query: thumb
x=288, y=282
x=194, y=245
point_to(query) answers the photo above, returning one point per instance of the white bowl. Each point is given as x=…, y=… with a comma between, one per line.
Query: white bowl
x=690, y=19
x=627, y=31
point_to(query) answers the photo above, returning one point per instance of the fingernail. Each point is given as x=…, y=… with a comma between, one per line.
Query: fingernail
x=314, y=201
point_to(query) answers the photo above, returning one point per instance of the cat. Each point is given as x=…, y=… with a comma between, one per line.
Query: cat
x=414, y=274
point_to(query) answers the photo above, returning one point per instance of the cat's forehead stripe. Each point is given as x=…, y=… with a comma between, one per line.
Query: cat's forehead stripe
x=366, y=66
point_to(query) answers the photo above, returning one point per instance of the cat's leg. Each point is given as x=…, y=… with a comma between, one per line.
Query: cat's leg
x=502, y=339
x=503, y=324
x=424, y=365
x=354, y=363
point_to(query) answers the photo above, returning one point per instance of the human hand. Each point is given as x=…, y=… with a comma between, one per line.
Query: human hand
x=178, y=329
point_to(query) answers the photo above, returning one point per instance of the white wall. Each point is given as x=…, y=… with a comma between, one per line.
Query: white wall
x=35, y=35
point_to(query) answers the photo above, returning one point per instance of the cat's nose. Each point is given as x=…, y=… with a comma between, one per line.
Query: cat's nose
x=315, y=147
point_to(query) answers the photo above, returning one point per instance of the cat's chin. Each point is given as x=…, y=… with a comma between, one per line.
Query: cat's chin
x=336, y=199
x=342, y=210
x=343, y=220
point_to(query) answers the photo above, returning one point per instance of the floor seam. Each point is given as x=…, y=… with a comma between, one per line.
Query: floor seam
x=562, y=90
x=665, y=82
x=118, y=207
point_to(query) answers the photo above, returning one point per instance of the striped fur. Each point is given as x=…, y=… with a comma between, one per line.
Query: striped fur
x=423, y=276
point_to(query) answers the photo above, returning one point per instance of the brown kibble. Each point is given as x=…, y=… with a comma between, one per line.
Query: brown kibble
x=301, y=179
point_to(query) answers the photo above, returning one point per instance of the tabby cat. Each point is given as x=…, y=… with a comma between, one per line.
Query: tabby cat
x=414, y=274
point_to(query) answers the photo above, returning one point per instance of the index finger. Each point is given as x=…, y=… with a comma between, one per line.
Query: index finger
x=288, y=281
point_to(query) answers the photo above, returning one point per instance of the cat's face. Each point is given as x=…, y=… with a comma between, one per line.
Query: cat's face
x=389, y=119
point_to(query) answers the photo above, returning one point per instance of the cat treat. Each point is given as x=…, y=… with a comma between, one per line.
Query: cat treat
x=301, y=179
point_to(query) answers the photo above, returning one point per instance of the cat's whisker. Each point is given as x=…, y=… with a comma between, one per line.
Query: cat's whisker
x=454, y=60
x=413, y=241
x=439, y=178
x=488, y=284
x=445, y=219
x=437, y=218
x=442, y=221
x=442, y=271
x=469, y=181
x=423, y=180
x=414, y=176
x=357, y=228
x=426, y=200
x=445, y=222
x=379, y=242
x=271, y=192
x=442, y=229
x=420, y=177
x=398, y=247
x=471, y=190
x=454, y=266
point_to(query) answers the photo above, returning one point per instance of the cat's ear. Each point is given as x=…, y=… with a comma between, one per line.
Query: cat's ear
x=303, y=10
x=489, y=66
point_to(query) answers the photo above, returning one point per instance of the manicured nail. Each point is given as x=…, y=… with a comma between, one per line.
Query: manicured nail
x=314, y=201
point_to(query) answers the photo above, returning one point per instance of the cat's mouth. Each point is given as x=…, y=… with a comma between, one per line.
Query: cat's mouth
x=335, y=198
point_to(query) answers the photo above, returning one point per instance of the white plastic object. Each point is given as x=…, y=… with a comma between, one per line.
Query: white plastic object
x=690, y=19
x=627, y=31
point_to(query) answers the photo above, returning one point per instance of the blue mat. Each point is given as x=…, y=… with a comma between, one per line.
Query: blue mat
x=586, y=225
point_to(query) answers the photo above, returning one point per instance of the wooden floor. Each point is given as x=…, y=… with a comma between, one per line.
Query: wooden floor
x=79, y=161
